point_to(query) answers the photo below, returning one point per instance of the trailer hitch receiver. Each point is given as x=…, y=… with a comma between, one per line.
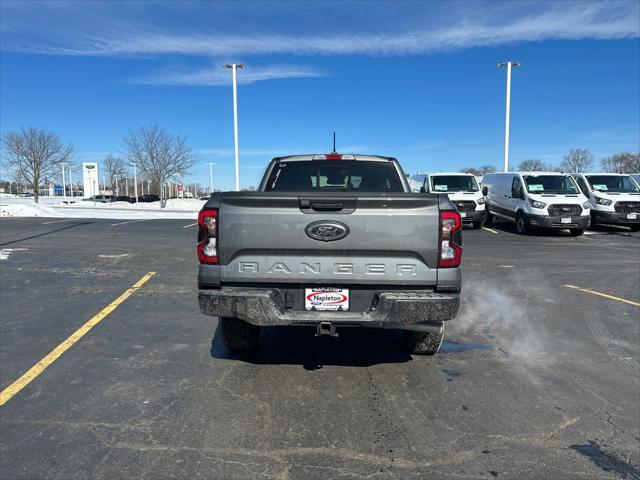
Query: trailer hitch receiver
x=326, y=328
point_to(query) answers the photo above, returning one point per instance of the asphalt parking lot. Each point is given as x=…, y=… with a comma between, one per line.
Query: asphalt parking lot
x=536, y=379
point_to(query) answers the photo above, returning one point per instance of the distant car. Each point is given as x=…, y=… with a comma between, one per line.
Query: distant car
x=206, y=197
x=26, y=194
x=98, y=199
x=149, y=198
x=123, y=198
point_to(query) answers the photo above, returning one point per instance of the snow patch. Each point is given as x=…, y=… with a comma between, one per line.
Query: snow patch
x=5, y=252
x=176, y=208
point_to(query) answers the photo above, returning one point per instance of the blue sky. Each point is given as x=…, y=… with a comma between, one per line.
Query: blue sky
x=416, y=80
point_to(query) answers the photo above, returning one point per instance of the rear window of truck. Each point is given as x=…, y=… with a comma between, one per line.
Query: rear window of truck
x=334, y=175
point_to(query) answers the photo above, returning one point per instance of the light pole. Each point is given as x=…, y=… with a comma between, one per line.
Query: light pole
x=508, y=110
x=234, y=67
x=71, y=182
x=115, y=179
x=135, y=181
x=64, y=187
x=211, y=177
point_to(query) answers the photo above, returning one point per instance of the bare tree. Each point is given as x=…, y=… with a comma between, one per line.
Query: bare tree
x=577, y=160
x=624, y=162
x=533, y=165
x=113, y=167
x=480, y=170
x=158, y=154
x=35, y=154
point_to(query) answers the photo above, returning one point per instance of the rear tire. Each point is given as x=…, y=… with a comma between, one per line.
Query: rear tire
x=576, y=232
x=522, y=227
x=635, y=228
x=239, y=335
x=424, y=343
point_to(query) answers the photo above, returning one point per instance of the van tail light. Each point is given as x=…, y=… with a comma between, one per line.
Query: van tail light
x=450, y=251
x=208, y=236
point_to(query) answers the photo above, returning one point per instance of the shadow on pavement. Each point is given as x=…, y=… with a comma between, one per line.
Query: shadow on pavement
x=66, y=227
x=608, y=462
x=356, y=347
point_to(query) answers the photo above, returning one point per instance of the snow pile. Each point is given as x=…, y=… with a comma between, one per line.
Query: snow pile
x=53, y=207
x=30, y=209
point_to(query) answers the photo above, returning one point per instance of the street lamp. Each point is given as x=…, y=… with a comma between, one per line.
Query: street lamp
x=211, y=177
x=71, y=181
x=234, y=67
x=508, y=110
x=64, y=188
x=135, y=181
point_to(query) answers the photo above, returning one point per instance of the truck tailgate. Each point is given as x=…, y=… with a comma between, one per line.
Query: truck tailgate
x=265, y=238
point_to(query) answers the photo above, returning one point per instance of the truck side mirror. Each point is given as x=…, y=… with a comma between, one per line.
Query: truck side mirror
x=423, y=190
x=485, y=191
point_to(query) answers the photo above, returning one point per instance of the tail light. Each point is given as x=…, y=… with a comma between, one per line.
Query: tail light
x=450, y=239
x=208, y=236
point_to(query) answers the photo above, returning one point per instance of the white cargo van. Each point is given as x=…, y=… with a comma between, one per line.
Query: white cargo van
x=462, y=189
x=614, y=198
x=536, y=200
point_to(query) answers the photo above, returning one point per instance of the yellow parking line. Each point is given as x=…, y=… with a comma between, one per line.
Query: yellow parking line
x=190, y=225
x=490, y=230
x=605, y=295
x=54, y=354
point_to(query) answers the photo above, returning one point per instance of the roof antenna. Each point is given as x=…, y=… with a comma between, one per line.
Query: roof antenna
x=334, y=143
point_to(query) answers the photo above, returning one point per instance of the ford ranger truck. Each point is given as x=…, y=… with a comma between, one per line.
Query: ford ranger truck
x=330, y=241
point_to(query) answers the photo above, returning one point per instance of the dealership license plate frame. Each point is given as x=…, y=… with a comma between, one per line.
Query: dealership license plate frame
x=565, y=220
x=632, y=216
x=328, y=305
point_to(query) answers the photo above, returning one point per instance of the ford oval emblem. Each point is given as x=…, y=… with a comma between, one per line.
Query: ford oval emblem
x=327, y=230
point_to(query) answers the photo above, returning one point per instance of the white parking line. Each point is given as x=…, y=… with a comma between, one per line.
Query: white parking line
x=190, y=225
x=489, y=230
x=59, y=221
x=128, y=221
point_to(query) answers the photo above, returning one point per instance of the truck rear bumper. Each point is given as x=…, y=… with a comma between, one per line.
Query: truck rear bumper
x=408, y=309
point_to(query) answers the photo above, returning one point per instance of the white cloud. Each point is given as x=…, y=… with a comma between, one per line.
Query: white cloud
x=220, y=76
x=491, y=26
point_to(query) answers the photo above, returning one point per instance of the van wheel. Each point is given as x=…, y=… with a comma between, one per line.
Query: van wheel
x=576, y=232
x=522, y=227
x=238, y=334
x=424, y=343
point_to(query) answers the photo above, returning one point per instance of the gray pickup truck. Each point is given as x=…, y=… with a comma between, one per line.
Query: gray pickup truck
x=330, y=241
